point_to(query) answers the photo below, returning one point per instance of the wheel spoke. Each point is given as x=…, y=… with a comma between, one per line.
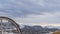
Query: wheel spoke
x=8, y=26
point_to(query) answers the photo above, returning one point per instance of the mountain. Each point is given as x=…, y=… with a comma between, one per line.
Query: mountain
x=52, y=27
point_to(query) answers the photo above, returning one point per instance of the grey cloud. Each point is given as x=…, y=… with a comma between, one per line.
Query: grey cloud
x=26, y=7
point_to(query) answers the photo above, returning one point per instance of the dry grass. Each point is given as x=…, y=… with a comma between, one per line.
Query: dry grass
x=56, y=32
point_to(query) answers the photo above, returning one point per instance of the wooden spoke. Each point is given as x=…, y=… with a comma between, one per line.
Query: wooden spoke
x=9, y=26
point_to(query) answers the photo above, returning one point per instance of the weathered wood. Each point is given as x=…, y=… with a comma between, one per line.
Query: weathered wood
x=12, y=21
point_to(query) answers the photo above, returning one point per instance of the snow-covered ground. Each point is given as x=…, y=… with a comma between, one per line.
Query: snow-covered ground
x=49, y=33
x=8, y=33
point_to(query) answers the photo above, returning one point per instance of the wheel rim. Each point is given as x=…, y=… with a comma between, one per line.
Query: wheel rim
x=8, y=26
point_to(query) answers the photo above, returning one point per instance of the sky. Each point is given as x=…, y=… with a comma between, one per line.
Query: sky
x=31, y=12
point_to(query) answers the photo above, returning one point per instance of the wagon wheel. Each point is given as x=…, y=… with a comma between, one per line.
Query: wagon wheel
x=9, y=26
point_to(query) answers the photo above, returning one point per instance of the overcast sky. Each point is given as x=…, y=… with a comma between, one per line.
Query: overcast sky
x=31, y=11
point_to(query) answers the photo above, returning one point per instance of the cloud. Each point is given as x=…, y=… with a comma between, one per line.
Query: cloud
x=26, y=7
x=31, y=11
x=46, y=18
